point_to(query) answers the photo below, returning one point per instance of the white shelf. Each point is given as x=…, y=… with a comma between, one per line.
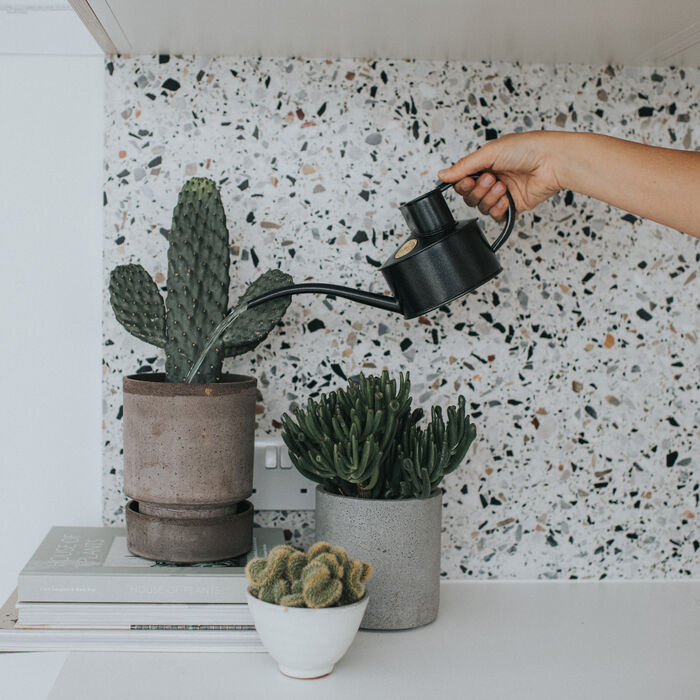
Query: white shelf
x=492, y=640
x=632, y=32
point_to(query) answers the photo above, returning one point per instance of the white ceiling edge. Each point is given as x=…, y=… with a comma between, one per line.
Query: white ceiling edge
x=44, y=29
x=628, y=32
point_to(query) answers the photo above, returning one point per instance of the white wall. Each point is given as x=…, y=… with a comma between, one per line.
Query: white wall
x=50, y=291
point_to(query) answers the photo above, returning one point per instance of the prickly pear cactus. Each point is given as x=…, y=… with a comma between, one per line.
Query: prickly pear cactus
x=197, y=291
x=322, y=578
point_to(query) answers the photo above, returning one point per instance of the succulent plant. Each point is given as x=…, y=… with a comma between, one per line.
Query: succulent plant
x=322, y=578
x=365, y=441
x=198, y=291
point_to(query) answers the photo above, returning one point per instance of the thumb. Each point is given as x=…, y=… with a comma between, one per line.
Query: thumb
x=473, y=163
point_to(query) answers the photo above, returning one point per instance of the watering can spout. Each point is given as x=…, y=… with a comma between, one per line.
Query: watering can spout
x=379, y=301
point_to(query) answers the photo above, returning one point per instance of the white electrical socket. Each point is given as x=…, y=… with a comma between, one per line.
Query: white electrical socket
x=276, y=484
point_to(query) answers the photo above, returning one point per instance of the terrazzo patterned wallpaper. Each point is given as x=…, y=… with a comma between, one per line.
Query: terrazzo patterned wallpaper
x=579, y=363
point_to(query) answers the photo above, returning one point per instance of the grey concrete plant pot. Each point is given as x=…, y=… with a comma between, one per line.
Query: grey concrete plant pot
x=188, y=466
x=401, y=540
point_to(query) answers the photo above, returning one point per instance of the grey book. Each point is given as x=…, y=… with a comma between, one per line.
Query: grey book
x=93, y=565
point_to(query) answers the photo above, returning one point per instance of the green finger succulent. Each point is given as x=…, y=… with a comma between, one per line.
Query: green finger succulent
x=365, y=441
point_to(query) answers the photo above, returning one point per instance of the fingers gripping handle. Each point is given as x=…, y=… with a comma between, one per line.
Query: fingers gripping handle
x=510, y=215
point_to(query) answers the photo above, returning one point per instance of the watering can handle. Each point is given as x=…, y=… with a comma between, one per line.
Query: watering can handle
x=510, y=215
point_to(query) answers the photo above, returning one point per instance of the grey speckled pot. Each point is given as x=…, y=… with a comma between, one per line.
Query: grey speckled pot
x=401, y=540
x=188, y=463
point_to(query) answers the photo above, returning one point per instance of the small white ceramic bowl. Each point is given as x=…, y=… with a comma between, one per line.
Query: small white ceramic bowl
x=306, y=642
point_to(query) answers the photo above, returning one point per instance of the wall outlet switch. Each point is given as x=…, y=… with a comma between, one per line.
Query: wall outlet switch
x=276, y=484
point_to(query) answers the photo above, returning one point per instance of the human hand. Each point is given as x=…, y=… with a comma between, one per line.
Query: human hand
x=525, y=164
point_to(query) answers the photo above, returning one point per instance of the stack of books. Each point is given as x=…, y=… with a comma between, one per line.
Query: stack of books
x=82, y=590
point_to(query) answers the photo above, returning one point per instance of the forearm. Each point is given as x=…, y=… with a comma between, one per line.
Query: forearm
x=660, y=184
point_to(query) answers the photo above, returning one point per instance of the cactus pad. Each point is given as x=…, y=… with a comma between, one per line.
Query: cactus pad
x=254, y=325
x=198, y=280
x=137, y=303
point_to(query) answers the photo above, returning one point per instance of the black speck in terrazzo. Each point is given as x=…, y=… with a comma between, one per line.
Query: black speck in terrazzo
x=315, y=325
x=171, y=84
x=338, y=370
x=155, y=162
x=644, y=315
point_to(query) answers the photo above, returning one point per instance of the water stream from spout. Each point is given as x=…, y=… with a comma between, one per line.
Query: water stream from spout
x=213, y=339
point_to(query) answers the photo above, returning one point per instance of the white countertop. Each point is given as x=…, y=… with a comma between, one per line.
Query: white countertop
x=492, y=640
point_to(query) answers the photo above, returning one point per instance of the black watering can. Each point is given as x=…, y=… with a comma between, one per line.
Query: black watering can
x=442, y=260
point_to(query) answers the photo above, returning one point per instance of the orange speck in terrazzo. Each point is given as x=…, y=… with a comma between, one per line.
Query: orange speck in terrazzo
x=122, y=154
x=609, y=341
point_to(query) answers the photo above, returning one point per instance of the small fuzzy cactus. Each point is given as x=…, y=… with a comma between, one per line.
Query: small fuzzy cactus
x=198, y=291
x=365, y=441
x=324, y=577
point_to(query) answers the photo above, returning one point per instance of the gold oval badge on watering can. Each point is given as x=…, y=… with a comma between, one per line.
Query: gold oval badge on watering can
x=442, y=260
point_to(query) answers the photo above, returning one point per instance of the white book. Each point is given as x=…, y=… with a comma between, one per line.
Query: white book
x=13, y=638
x=93, y=565
x=212, y=616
